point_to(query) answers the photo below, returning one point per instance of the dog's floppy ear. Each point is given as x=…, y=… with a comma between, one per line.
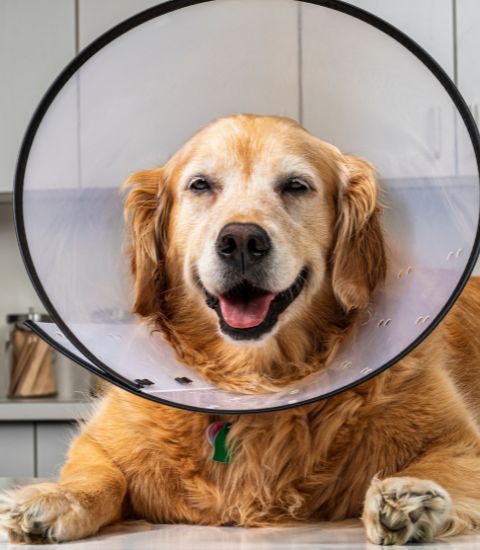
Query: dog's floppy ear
x=359, y=259
x=147, y=210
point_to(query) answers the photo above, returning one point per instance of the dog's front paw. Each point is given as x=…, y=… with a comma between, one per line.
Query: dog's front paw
x=43, y=513
x=404, y=509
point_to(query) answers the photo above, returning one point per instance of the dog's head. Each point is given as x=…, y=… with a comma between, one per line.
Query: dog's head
x=254, y=226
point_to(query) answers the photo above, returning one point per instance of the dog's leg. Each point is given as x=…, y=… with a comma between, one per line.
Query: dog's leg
x=89, y=495
x=437, y=496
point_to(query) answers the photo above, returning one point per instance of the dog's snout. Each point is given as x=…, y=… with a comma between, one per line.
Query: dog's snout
x=243, y=245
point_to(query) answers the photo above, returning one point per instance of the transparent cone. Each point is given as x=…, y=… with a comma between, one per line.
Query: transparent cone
x=130, y=104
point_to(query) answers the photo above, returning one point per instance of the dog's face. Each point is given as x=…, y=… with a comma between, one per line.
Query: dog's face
x=253, y=223
x=253, y=218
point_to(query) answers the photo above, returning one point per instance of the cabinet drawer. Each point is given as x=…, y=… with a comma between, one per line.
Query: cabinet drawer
x=53, y=440
x=17, y=449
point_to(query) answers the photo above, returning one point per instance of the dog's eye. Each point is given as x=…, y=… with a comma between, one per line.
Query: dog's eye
x=199, y=185
x=294, y=186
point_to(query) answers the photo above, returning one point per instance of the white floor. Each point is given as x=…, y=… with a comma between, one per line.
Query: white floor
x=141, y=535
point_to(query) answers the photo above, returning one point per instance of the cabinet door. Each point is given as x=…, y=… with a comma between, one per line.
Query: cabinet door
x=468, y=52
x=97, y=16
x=37, y=39
x=429, y=23
x=17, y=449
x=159, y=84
x=369, y=96
x=53, y=441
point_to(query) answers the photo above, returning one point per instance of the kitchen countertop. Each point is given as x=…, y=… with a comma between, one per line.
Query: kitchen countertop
x=142, y=535
x=134, y=535
x=43, y=409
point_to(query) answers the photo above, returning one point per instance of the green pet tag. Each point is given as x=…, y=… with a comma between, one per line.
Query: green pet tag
x=217, y=433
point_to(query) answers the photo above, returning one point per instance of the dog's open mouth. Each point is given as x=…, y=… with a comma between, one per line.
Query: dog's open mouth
x=245, y=306
x=246, y=312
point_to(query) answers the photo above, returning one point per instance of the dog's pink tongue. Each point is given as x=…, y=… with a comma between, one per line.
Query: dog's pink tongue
x=245, y=315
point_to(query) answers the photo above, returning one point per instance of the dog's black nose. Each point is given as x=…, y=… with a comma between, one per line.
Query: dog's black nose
x=243, y=245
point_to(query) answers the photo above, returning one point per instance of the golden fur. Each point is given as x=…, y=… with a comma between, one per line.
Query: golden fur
x=401, y=450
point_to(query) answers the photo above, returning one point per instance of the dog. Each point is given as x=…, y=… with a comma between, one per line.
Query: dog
x=254, y=250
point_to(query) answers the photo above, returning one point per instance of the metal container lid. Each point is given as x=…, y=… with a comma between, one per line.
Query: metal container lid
x=32, y=315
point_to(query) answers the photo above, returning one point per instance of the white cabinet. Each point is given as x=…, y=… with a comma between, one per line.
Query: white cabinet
x=468, y=51
x=34, y=449
x=17, y=454
x=52, y=443
x=368, y=95
x=152, y=89
x=97, y=16
x=37, y=39
x=429, y=23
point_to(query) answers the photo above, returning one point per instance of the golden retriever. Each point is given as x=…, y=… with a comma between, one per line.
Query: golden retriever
x=253, y=251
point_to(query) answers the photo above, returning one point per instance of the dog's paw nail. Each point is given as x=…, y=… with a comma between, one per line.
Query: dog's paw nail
x=391, y=523
x=415, y=515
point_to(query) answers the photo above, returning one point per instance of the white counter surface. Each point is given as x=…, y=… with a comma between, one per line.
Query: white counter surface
x=44, y=409
x=140, y=535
